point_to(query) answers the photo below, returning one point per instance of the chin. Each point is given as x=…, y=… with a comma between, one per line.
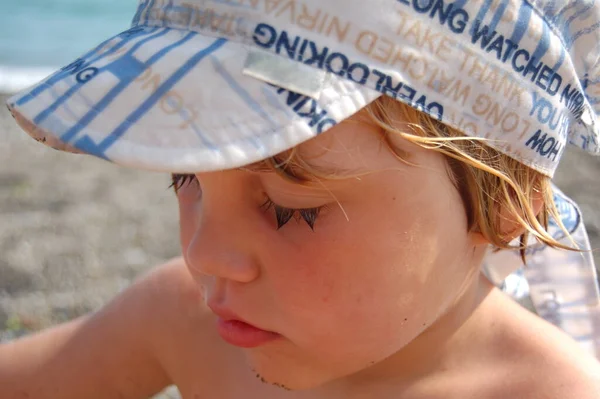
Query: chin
x=291, y=383
x=289, y=377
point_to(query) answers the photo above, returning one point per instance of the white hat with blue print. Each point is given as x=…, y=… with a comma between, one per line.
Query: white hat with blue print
x=200, y=85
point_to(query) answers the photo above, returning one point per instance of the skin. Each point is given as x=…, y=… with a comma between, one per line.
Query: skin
x=385, y=261
x=390, y=269
x=383, y=299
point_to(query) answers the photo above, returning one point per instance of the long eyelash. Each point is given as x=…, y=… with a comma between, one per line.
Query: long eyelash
x=283, y=215
x=180, y=180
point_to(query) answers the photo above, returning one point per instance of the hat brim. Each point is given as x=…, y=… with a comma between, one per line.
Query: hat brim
x=171, y=100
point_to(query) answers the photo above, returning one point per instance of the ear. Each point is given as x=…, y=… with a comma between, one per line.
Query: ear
x=510, y=228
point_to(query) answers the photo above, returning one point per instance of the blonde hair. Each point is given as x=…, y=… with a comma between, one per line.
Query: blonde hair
x=490, y=183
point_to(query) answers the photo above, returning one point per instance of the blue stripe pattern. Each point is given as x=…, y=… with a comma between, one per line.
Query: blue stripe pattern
x=576, y=15
x=522, y=23
x=111, y=67
x=135, y=68
x=61, y=75
x=481, y=13
x=88, y=145
x=498, y=14
x=150, y=6
x=255, y=106
x=543, y=44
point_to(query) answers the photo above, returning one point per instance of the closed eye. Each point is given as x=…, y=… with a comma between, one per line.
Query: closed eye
x=283, y=214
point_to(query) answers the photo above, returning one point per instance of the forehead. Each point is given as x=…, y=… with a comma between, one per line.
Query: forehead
x=358, y=145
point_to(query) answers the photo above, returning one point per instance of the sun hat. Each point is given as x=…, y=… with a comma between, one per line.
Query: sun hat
x=201, y=85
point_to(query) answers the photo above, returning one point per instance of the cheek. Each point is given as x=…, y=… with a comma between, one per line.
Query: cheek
x=387, y=269
x=338, y=275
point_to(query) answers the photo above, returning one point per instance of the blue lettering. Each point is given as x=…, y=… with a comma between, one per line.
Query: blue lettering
x=296, y=48
x=87, y=74
x=436, y=110
x=536, y=140
x=511, y=46
x=302, y=50
x=325, y=124
x=544, y=77
x=545, y=112
x=410, y=92
x=455, y=17
x=390, y=89
x=458, y=21
x=83, y=72
x=343, y=61
x=573, y=99
x=496, y=46
x=292, y=97
x=364, y=70
x=313, y=113
x=317, y=57
x=380, y=79
x=264, y=35
x=420, y=8
x=421, y=103
x=75, y=66
x=284, y=41
x=479, y=32
x=443, y=15
x=554, y=84
x=301, y=103
x=542, y=106
x=308, y=108
x=525, y=54
x=534, y=69
x=546, y=146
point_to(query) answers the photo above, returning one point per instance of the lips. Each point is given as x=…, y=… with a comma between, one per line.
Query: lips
x=236, y=331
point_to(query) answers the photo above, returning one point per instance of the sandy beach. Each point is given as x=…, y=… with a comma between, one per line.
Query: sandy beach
x=75, y=230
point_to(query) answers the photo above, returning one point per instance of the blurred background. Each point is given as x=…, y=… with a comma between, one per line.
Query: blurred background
x=75, y=231
x=36, y=36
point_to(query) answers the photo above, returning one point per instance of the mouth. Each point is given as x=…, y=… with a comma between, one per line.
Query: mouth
x=238, y=332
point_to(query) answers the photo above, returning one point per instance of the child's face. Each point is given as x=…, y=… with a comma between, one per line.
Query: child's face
x=380, y=266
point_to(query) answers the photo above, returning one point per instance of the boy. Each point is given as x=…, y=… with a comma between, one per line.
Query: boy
x=332, y=238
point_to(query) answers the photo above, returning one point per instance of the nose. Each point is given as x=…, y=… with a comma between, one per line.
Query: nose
x=218, y=245
x=210, y=254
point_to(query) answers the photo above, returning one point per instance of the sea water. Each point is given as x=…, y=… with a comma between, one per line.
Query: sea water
x=39, y=36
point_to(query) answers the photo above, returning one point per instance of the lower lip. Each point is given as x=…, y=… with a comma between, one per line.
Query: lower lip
x=243, y=335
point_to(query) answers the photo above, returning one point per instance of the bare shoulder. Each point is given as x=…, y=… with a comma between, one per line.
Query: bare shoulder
x=540, y=361
x=562, y=367
x=177, y=300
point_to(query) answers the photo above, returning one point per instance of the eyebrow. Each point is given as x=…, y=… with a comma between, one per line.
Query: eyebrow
x=288, y=173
